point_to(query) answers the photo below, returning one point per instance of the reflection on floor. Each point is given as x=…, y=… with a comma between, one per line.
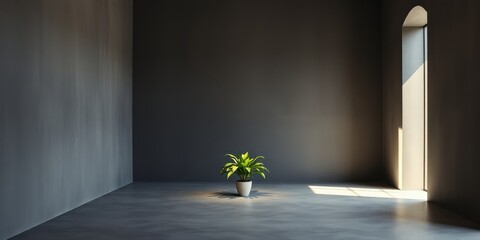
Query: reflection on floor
x=273, y=211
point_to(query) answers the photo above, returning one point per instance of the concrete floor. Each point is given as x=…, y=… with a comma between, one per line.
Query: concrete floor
x=274, y=211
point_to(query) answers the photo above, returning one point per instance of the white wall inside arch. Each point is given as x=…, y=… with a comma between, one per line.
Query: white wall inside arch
x=412, y=161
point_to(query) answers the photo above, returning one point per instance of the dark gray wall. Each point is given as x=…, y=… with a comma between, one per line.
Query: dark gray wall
x=453, y=115
x=65, y=106
x=296, y=81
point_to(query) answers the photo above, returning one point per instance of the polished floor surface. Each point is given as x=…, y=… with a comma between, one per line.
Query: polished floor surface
x=273, y=211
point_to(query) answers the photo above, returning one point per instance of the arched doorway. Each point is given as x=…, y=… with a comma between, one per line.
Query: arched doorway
x=413, y=165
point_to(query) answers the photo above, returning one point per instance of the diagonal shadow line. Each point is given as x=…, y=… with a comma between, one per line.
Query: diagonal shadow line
x=420, y=68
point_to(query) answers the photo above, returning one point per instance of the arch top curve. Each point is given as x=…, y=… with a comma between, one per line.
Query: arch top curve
x=417, y=17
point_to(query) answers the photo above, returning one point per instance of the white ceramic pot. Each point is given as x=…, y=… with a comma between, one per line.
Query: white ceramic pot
x=243, y=188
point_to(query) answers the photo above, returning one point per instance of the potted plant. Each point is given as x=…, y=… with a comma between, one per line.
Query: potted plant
x=244, y=167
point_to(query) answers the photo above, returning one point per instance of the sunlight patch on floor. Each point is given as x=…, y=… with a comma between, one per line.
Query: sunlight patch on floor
x=369, y=192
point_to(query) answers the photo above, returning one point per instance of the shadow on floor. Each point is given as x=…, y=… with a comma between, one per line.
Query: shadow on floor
x=430, y=213
x=440, y=215
x=233, y=195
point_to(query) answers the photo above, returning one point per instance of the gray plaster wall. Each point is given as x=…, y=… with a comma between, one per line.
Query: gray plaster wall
x=296, y=81
x=453, y=111
x=65, y=106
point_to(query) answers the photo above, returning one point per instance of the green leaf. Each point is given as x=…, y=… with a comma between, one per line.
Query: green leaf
x=248, y=169
x=231, y=171
x=228, y=164
x=245, y=155
x=233, y=157
x=263, y=168
x=260, y=173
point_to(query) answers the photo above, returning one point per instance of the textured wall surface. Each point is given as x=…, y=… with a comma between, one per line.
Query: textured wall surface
x=453, y=112
x=65, y=106
x=296, y=81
